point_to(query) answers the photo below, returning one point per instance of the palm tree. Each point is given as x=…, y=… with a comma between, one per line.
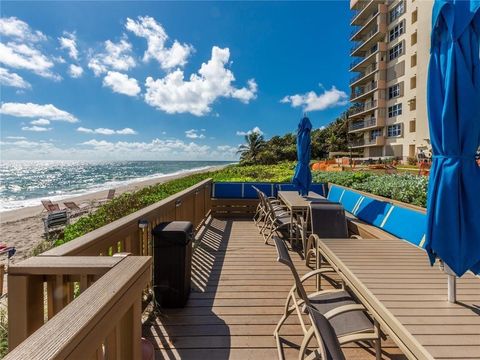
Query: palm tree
x=249, y=151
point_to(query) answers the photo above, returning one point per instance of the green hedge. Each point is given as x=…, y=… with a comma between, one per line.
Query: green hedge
x=407, y=188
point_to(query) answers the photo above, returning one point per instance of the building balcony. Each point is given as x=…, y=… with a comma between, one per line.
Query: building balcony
x=366, y=124
x=376, y=34
x=358, y=93
x=361, y=143
x=361, y=110
x=363, y=11
x=359, y=31
x=376, y=53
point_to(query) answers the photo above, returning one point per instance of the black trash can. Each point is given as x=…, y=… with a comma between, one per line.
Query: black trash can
x=172, y=263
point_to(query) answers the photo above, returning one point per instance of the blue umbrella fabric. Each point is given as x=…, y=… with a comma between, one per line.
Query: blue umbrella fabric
x=453, y=101
x=302, y=178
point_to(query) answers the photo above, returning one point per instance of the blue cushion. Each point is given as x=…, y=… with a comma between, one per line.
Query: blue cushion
x=406, y=224
x=318, y=188
x=286, y=187
x=335, y=193
x=250, y=193
x=227, y=190
x=372, y=211
x=349, y=200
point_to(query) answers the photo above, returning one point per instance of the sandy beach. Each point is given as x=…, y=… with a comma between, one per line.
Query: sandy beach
x=23, y=228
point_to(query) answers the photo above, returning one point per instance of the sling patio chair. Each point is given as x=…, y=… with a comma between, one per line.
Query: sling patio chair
x=264, y=208
x=278, y=219
x=327, y=220
x=348, y=318
x=48, y=205
x=110, y=196
x=76, y=210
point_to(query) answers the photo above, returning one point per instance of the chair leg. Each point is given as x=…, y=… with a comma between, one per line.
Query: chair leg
x=284, y=317
x=306, y=340
x=378, y=341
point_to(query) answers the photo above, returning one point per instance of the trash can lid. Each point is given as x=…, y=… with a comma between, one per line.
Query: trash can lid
x=173, y=226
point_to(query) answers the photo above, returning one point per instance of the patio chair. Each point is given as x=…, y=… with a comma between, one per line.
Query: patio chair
x=263, y=209
x=327, y=221
x=348, y=318
x=76, y=210
x=278, y=219
x=49, y=206
x=110, y=196
x=328, y=346
x=55, y=220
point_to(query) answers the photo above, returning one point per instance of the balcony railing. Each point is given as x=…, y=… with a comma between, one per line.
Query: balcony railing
x=357, y=125
x=363, y=107
x=363, y=90
x=367, y=37
x=364, y=73
x=358, y=28
x=361, y=7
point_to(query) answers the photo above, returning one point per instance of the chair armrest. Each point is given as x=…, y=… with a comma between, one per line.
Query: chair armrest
x=316, y=272
x=355, y=237
x=344, y=309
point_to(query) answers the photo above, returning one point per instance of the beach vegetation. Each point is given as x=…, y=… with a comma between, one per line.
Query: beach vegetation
x=254, y=144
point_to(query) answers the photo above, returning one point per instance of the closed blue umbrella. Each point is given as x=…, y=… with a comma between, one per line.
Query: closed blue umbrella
x=303, y=176
x=453, y=96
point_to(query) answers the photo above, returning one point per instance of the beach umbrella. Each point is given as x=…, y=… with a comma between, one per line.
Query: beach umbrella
x=453, y=101
x=303, y=176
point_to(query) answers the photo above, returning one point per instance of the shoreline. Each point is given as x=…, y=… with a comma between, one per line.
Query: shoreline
x=23, y=228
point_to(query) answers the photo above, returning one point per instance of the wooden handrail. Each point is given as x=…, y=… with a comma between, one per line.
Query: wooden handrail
x=103, y=322
x=124, y=234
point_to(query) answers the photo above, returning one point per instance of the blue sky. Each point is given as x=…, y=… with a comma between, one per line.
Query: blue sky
x=173, y=80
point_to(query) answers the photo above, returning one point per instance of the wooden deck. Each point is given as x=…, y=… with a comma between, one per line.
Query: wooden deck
x=239, y=295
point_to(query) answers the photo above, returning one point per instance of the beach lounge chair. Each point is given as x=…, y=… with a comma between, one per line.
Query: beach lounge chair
x=110, y=196
x=76, y=210
x=348, y=318
x=49, y=206
x=55, y=220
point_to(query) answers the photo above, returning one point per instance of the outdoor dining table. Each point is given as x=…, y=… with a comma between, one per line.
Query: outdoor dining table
x=298, y=204
x=408, y=297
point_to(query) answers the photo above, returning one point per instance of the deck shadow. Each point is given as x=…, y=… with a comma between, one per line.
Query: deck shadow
x=187, y=332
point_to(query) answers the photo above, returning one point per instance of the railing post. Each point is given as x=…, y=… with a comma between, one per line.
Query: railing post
x=25, y=305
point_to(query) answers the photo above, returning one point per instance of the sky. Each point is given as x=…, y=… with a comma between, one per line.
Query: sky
x=165, y=80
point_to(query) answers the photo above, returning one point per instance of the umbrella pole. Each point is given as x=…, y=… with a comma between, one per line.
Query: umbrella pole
x=452, y=288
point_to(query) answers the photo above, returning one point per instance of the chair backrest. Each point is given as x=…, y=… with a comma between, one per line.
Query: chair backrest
x=328, y=220
x=46, y=203
x=71, y=205
x=284, y=258
x=57, y=218
x=111, y=194
x=326, y=337
x=53, y=207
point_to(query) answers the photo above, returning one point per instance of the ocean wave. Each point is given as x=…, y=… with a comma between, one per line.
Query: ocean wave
x=14, y=201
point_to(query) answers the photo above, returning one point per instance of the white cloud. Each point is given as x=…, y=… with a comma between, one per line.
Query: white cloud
x=27, y=57
x=47, y=111
x=21, y=49
x=256, y=129
x=12, y=79
x=16, y=28
x=69, y=43
x=105, y=131
x=173, y=94
x=75, y=71
x=154, y=33
x=42, y=122
x=16, y=137
x=117, y=56
x=121, y=83
x=35, y=128
x=194, y=134
x=311, y=101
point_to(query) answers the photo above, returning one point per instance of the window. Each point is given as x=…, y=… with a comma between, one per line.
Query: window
x=413, y=104
x=414, y=16
x=395, y=110
x=413, y=38
x=395, y=51
x=397, y=11
x=413, y=82
x=396, y=31
x=413, y=126
x=394, y=91
x=394, y=130
x=375, y=133
x=413, y=60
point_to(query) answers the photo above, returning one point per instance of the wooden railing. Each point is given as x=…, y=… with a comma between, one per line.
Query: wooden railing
x=77, y=301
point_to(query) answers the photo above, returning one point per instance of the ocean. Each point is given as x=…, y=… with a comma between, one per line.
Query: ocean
x=24, y=183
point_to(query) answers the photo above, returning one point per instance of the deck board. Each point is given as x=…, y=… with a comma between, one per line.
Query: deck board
x=238, y=297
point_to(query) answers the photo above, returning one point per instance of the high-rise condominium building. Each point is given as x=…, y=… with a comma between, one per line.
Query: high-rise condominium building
x=390, y=52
